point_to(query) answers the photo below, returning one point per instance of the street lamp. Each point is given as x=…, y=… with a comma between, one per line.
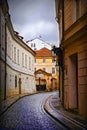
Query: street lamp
x=56, y=51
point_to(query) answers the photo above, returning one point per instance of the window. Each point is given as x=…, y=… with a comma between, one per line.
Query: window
x=44, y=69
x=34, y=45
x=29, y=63
x=12, y=52
x=53, y=60
x=25, y=61
x=53, y=70
x=18, y=57
x=44, y=60
x=75, y=10
x=15, y=54
x=35, y=60
x=34, y=69
x=22, y=59
x=9, y=47
x=3, y=36
x=31, y=44
x=15, y=81
x=32, y=64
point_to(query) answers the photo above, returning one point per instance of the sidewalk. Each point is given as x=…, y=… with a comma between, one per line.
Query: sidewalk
x=54, y=108
x=9, y=101
x=68, y=119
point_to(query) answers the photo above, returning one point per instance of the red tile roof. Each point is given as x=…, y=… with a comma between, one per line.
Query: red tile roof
x=43, y=52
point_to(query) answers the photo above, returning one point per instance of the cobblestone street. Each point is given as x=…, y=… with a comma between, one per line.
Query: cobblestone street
x=43, y=64
x=28, y=114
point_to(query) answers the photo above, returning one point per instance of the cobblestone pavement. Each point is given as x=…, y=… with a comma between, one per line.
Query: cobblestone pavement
x=28, y=114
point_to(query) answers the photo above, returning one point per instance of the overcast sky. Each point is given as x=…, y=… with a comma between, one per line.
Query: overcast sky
x=34, y=18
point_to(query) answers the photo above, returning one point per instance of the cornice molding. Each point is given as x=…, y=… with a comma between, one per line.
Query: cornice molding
x=76, y=36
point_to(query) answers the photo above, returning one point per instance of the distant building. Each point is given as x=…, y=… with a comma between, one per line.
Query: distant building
x=38, y=43
x=45, y=70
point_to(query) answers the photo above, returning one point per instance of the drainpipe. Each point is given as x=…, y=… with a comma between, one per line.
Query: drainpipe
x=59, y=81
x=5, y=60
x=63, y=52
x=62, y=20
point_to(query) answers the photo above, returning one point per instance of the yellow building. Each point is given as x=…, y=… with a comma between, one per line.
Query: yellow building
x=45, y=70
x=72, y=18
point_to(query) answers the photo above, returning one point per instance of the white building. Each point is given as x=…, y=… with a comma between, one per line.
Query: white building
x=20, y=66
x=19, y=60
x=38, y=43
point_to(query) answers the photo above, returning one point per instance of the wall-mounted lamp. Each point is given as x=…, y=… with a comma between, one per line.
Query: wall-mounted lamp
x=56, y=51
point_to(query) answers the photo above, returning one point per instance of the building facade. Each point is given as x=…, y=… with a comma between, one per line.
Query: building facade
x=45, y=69
x=2, y=52
x=72, y=18
x=17, y=60
x=38, y=43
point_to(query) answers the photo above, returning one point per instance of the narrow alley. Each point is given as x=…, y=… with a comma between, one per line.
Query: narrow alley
x=28, y=114
x=41, y=111
x=43, y=65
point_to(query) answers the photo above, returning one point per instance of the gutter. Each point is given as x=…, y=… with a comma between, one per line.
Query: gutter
x=5, y=61
x=62, y=51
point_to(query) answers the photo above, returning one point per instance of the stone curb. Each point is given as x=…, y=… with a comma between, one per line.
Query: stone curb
x=48, y=109
x=61, y=117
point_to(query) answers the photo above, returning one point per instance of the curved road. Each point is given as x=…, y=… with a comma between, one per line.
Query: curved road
x=28, y=114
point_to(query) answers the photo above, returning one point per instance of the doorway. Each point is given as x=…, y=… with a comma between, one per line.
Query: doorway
x=40, y=84
x=19, y=85
x=73, y=81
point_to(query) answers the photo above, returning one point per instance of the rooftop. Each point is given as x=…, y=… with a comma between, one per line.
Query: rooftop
x=44, y=52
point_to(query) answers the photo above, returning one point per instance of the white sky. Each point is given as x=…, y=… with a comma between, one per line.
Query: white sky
x=34, y=18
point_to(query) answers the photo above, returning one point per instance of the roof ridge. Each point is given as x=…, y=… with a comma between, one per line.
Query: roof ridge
x=39, y=39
